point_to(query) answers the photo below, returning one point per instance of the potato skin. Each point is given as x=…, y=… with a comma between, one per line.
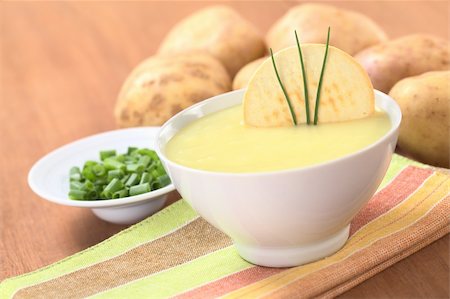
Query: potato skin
x=220, y=31
x=425, y=128
x=161, y=86
x=411, y=55
x=245, y=73
x=350, y=31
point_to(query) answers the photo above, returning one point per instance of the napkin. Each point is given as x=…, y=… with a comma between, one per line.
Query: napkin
x=175, y=253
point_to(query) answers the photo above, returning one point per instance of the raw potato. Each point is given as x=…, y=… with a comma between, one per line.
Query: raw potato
x=425, y=128
x=412, y=55
x=346, y=89
x=243, y=76
x=350, y=31
x=161, y=86
x=220, y=31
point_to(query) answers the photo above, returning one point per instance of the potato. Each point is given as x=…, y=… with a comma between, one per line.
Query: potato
x=220, y=31
x=243, y=76
x=346, y=92
x=163, y=85
x=350, y=31
x=411, y=55
x=425, y=128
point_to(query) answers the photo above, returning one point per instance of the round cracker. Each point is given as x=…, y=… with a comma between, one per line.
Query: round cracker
x=347, y=92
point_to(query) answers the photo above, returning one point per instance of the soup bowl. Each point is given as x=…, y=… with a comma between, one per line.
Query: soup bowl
x=282, y=218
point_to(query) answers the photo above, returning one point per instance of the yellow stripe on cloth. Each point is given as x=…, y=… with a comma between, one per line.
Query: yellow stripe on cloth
x=434, y=189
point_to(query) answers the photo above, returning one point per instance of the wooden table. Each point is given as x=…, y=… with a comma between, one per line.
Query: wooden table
x=62, y=64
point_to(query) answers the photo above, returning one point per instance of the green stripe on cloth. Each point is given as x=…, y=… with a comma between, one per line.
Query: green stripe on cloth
x=183, y=277
x=147, y=230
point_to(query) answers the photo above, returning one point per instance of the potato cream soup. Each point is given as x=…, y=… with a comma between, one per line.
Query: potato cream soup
x=221, y=142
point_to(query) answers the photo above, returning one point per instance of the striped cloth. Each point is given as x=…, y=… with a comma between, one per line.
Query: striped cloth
x=177, y=254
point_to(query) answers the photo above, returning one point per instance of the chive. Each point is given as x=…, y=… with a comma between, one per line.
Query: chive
x=75, y=185
x=144, y=160
x=316, y=110
x=131, y=150
x=101, y=181
x=120, y=194
x=145, y=178
x=305, y=83
x=138, y=169
x=89, y=164
x=99, y=170
x=77, y=194
x=113, y=186
x=115, y=173
x=88, y=186
x=288, y=100
x=120, y=158
x=93, y=194
x=164, y=180
x=148, y=152
x=132, y=180
x=75, y=174
x=88, y=173
x=139, y=189
x=135, y=168
x=111, y=163
x=107, y=154
x=125, y=178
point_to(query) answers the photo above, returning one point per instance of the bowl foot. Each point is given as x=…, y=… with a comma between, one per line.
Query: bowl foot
x=293, y=256
x=130, y=214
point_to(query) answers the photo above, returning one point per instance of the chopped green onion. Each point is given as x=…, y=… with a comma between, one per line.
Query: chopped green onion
x=305, y=83
x=75, y=174
x=163, y=180
x=139, y=189
x=120, y=194
x=99, y=170
x=115, y=173
x=113, y=186
x=75, y=185
x=145, y=178
x=131, y=150
x=92, y=194
x=144, y=160
x=111, y=163
x=135, y=168
x=88, y=186
x=316, y=110
x=107, y=154
x=117, y=176
x=288, y=100
x=125, y=178
x=88, y=173
x=77, y=194
x=151, y=153
x=132, y=180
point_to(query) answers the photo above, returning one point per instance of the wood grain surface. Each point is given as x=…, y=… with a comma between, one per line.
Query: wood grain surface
x=61, y=67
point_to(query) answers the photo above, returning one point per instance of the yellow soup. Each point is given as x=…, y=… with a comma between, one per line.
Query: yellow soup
x=222, y=142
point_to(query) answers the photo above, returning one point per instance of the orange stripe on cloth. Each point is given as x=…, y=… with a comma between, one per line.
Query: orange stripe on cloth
x=229, y=283
x=406, y=182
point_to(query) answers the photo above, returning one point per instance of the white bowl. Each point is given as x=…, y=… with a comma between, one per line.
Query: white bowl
x=282, y=218
x=49, y=177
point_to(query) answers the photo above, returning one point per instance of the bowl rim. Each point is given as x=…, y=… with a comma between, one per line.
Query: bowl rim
x=141, y=198
x=395, y=124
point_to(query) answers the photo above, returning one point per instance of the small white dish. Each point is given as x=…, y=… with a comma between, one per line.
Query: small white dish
x=49, y=177
x=282, y=218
